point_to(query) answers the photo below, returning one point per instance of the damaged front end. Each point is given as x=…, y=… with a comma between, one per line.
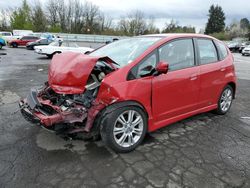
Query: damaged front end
x=67, y=103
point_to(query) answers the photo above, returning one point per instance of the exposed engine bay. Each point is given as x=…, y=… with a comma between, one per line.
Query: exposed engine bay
x=68, y=111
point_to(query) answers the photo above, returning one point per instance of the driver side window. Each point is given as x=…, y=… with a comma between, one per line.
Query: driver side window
x=144, y=68
x=147, y=66
x=178, y=54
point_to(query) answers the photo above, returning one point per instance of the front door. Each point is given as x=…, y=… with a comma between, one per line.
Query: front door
x=176, y=92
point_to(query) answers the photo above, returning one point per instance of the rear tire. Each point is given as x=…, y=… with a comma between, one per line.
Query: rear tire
x=14, y=45
x=124, y=128
x=225, y=100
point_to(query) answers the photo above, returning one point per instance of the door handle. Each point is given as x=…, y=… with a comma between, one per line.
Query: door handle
x=193, y=77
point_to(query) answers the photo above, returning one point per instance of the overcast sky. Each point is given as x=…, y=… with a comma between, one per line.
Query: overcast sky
x=186, y=12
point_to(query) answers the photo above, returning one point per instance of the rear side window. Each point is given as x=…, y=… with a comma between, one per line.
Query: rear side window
x=178, y=54
x=207, y=51
x=221, y=49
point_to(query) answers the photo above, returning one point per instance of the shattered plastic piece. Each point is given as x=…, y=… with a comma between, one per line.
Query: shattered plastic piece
x=68, y=102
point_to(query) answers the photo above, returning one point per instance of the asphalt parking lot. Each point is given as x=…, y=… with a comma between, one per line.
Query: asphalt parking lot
x=203, y=151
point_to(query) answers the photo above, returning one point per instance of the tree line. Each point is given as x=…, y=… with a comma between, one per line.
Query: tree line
x=75, y=16
x=216, y=25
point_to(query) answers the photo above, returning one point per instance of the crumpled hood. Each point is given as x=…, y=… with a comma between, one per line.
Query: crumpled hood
x=69, y=72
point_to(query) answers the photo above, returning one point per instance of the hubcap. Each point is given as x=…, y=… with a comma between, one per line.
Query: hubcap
x=128, y=128
x=226, y=100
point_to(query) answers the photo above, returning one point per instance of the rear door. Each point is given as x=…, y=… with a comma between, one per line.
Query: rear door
x=176, y=92
x=211, y=72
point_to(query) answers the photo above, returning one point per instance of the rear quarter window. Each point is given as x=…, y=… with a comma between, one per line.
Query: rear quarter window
x=221, y=49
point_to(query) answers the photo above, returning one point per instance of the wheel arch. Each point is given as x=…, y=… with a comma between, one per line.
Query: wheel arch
x=56, y=52
x=233, y=85
x=98, y=119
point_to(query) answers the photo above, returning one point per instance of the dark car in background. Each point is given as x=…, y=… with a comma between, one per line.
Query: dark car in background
x=22, y=41
x=234, y=46
x=39, y=42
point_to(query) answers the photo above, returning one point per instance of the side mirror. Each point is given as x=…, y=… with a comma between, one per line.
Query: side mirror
x=162, y=68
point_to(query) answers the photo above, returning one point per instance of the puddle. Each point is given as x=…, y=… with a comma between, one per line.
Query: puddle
x=51, y=141
x=245, y=120
x=8, y=97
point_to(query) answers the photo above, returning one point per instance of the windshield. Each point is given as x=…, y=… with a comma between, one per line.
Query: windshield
x=125, y=51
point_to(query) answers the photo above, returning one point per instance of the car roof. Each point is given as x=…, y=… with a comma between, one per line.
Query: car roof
x=164, y=35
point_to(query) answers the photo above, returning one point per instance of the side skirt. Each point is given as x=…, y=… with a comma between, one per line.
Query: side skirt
x=169, y=121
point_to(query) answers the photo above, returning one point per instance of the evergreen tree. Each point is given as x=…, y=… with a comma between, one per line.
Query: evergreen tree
x=39, y=20
x=216, y=20
x=21, y=18
x=244, y=23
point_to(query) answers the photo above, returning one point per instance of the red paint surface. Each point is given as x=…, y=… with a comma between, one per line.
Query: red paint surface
x=171, y=97
x=22, y=42
x=69, y=72
x=166, y=98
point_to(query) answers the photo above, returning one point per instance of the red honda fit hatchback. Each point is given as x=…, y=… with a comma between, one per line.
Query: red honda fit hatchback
x=133, y=86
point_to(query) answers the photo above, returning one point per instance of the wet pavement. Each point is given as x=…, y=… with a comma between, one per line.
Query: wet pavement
x=203, y=151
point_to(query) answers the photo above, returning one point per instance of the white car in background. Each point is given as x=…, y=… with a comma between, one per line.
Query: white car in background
x=7, y=35
x=59, y=47
x=246, y=50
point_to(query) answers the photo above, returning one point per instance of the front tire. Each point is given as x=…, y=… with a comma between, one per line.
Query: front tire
x=124, y=128
x=225, y=100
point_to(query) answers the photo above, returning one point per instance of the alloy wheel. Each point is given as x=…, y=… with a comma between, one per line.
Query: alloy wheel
x=128, y=128
x=226, y=100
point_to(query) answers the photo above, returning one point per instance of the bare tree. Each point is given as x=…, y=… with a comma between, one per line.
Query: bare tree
x=77, y=22
x=91, y=18
x=3, y=20
x=62, y=14
x=53, y=7
x=151, y=28
x=133, y=24
x=137, y=22
x=123, y=26
x=105, y=22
